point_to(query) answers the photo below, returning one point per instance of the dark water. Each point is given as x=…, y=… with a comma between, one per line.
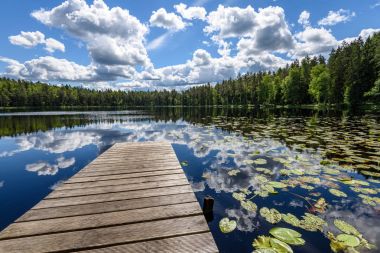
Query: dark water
x=310, y=152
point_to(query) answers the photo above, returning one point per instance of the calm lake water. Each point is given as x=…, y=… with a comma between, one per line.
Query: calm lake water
x=327, y=165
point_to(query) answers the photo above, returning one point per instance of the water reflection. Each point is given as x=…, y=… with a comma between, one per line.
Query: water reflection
x=45, y=168
x=228, y=151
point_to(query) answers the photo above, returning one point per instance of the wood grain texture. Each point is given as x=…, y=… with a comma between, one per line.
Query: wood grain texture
x=197, y=243
x=99, y=237
x=134, y=197
x=111, y=206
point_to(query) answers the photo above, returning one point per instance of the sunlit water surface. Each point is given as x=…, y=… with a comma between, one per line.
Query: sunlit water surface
x=223, y=152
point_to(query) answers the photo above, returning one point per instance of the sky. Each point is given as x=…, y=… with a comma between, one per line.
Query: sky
x=165, y=44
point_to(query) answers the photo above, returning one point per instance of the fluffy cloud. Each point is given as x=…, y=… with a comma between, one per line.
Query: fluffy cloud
x=203, y=68
x=169, y=21
x=266, y=29
x=48, y=68
x=231, y=21
x=191, y=12
x=314, y=41
x=364, y=34
x=304, y=18
x=32, y=39
x=52, y=45
x=335, y=17
x=112, y=35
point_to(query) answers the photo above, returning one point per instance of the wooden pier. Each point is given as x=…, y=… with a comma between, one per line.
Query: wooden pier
x=134, y=197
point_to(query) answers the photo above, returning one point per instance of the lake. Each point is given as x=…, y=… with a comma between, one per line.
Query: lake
x=314, y=172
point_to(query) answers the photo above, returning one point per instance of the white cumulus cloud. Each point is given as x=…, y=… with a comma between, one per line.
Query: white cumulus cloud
x=113, y=36
x=167, y=20
x=191, y=12
x=335, y=17
x=266, y=29
x=32, y=39
x=304, y=18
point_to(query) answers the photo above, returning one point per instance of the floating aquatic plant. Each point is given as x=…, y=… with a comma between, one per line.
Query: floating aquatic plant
x=266, y=244
x=184, y=163
x=260, y=161
x=277, y=184
x=249, y=206
x=239, y=196
x=291, y=219
x=271, y=215
x=337, y=193
x=226, y=225
x=348, y=240
x=346, y=228
x=311, y=222
x=287, y=235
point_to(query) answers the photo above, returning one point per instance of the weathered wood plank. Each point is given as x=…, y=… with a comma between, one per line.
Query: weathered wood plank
x=136, y=163
x=105, y=207
x=122, y=168
x=112, y=196
x=115, y=188
x=198, y=243
x=85, y=239
x=118, y=175
x=31, y=228
x=120, y=181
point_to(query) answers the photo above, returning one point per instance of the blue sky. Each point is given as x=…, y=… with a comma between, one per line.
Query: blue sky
x=147, y=44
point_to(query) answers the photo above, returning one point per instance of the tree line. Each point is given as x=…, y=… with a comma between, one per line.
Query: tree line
x=350, y=76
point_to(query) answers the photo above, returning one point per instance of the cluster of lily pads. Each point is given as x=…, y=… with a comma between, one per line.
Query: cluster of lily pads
x=314, y=162
x=309, y=177
x=279, y=243
x=354, y=143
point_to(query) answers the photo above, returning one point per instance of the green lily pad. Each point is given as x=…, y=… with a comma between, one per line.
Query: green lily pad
x=280, y=246
x=269, y=250
x=249, y=205
x=271, y=215
x=276, y=184
x=184, y=163
x=346, y=228
x=260, y=161
x=311, y=222
x=348, y=240
x=287, y=235
x=337, y=193
x=261, y=242
x=226, y=225
x=291, y=219
x=239, y=196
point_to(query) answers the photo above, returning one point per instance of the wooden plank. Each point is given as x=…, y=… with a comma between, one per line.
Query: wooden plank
x=198, y=243
x=115, y=188
x=31, y=228
x=117, y=175
x=135, y=163
x=112, y=196
x=133, y=198
x=131, y=169
x=105, y=207
x=100, y=237
x=119, y=181
x=123, y=171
